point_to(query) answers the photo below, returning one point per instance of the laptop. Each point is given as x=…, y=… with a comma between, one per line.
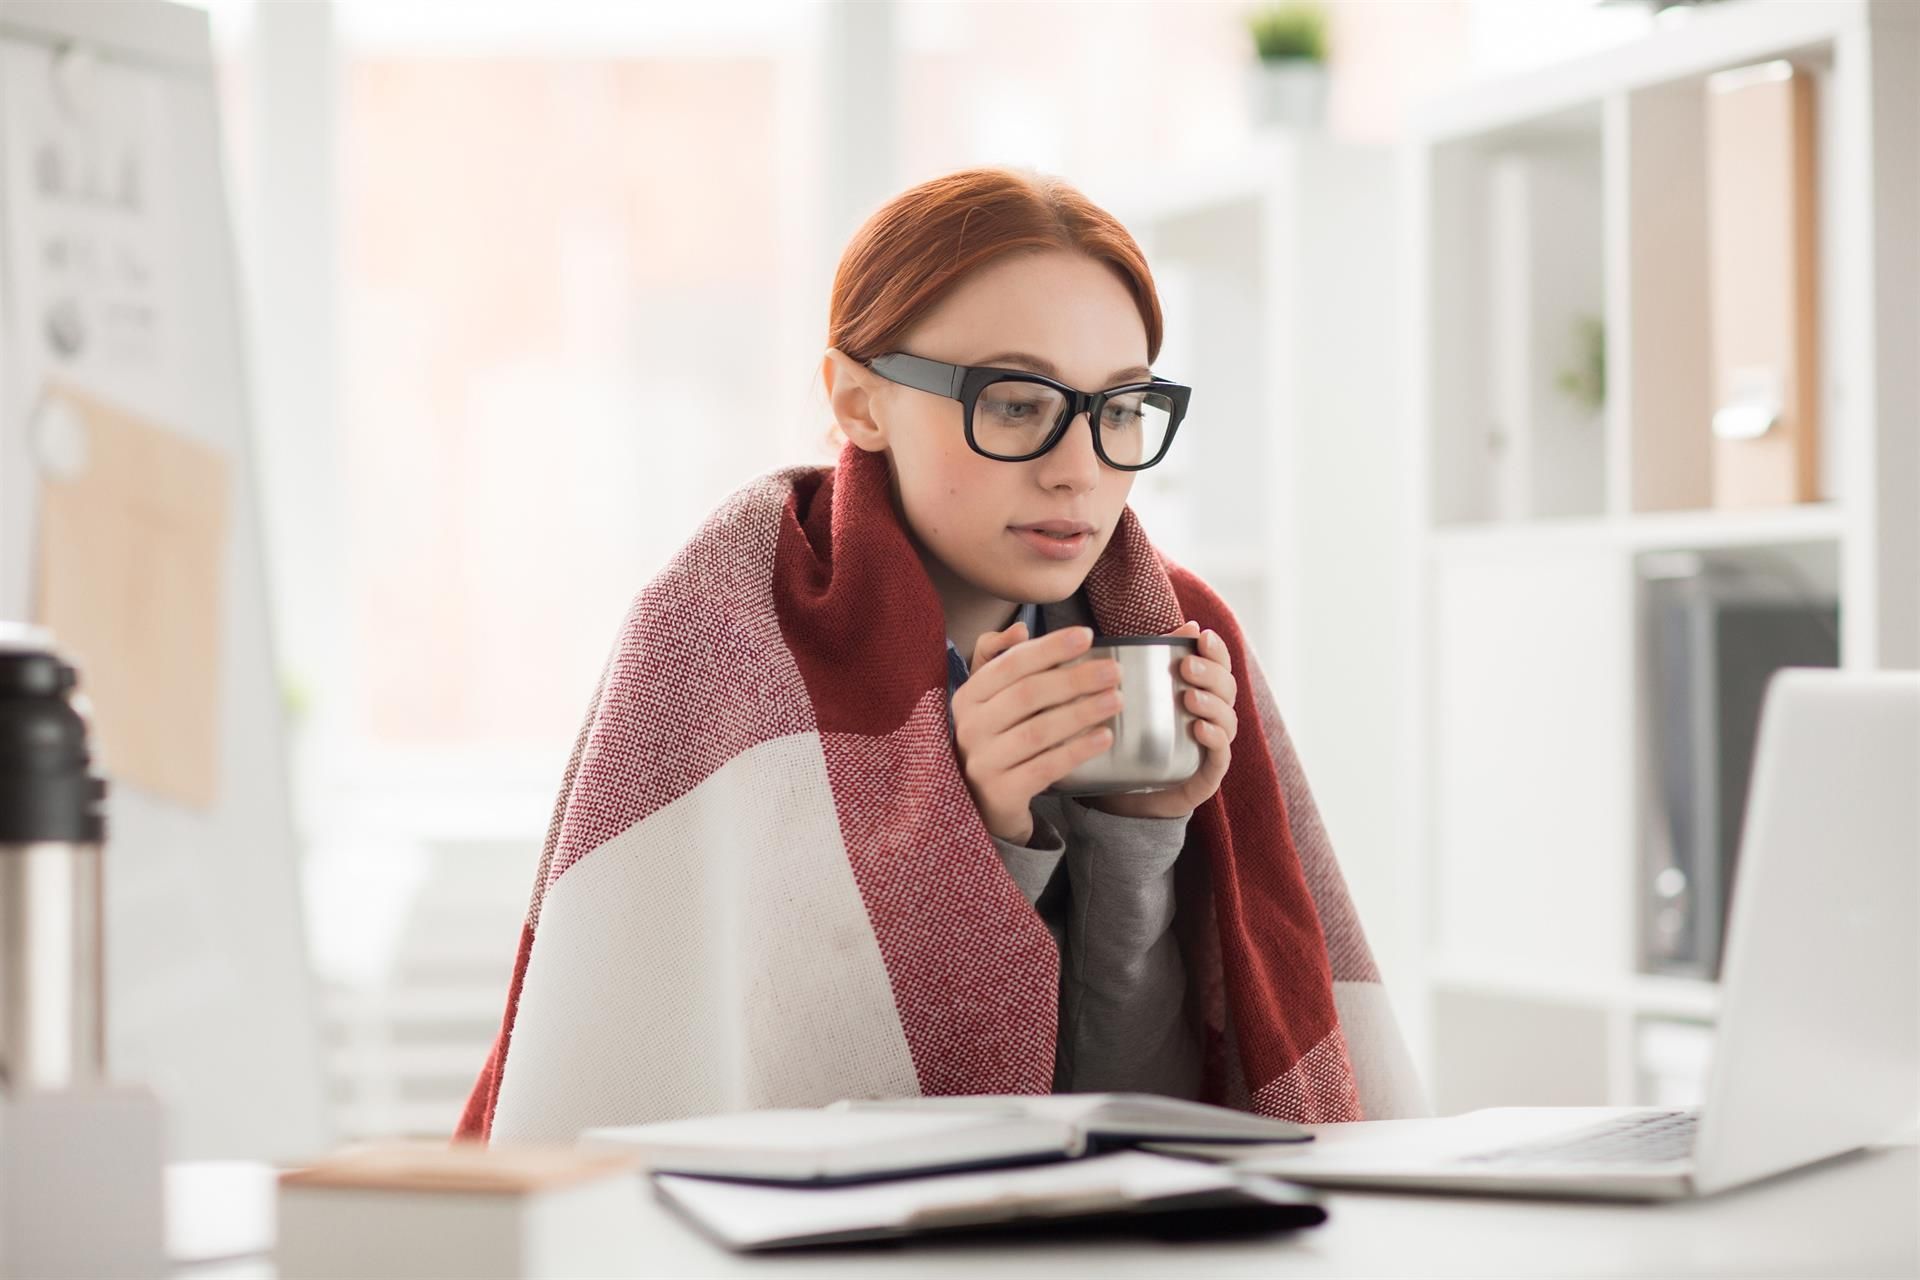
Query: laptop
x=1820, y=1013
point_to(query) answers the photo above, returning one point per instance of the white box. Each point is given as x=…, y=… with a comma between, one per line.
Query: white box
x=82, y=1184
x=550, y=1224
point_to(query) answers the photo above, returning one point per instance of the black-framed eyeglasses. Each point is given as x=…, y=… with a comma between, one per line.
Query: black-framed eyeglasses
x=1013, y=416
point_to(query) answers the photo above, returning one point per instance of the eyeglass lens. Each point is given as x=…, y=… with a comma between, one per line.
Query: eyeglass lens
x=1012, y=419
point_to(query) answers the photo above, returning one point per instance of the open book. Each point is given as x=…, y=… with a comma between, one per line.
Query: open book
x=861, y=1140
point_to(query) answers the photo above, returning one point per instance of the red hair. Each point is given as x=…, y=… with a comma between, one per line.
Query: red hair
x=922, y=243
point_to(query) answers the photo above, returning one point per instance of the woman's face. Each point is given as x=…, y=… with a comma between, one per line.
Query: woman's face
x=1053, y=312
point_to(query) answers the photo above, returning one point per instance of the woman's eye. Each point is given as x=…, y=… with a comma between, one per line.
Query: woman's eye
x=1120, y=415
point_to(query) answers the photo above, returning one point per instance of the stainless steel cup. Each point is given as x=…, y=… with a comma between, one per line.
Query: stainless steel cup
x=1153, y=743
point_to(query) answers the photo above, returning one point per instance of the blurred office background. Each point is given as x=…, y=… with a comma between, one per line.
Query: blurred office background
x=530, y=286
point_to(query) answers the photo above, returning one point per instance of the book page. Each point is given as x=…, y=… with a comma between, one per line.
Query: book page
x=1105, y=1113
x=829, y=1143
x=783, y=1130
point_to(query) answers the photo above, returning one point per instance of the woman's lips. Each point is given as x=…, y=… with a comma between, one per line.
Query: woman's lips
x=1054, y=548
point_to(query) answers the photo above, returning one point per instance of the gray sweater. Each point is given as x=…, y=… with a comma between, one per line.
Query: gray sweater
x=1104, y=887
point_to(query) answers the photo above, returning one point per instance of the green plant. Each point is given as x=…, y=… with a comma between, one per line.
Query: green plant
x=1587, y=385
x=1296, y=29
x=296, y=699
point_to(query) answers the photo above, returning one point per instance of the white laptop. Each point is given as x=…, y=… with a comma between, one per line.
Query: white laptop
x=1816, y=1051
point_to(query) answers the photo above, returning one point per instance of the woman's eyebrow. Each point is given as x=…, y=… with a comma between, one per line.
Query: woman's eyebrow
x=1051, y=370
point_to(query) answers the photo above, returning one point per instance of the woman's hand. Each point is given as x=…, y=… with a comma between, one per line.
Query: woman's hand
x=1210, y=700
x=1022, y=721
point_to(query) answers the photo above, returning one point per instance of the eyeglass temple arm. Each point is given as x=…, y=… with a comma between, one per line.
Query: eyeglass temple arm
x=920, y=373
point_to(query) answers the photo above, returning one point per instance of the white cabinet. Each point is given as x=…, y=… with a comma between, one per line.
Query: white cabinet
x=1529, y=750
x=1533, y=201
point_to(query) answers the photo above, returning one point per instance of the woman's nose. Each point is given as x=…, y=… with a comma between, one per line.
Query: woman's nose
x=1073, y=462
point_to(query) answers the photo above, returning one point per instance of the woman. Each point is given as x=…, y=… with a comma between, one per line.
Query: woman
x=803, y=850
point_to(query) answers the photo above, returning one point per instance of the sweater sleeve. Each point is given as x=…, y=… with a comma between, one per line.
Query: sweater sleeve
x=1123, y=984
x=1032, y=865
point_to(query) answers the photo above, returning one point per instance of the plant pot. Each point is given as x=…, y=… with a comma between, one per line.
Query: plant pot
x=1289, y=93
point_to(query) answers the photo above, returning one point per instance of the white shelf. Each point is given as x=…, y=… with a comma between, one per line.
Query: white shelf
x=1651, y=531
x=1525, y=985
x=1708, y=40
x=1692, y=998
x=1642, y=994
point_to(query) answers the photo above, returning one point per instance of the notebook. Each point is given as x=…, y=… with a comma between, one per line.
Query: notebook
x=1125, y=1190
x=861, y=1140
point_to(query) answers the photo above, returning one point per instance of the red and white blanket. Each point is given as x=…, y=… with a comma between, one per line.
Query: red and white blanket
x=766, y=884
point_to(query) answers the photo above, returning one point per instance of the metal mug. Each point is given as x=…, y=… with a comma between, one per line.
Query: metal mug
x=1153, y=744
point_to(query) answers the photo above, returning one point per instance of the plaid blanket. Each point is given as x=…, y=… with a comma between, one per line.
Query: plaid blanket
x=766, y=884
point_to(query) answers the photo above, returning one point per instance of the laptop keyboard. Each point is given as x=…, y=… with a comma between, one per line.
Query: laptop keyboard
x=1652, y=1138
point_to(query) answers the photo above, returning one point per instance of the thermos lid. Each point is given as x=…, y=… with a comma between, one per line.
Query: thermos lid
x=48, y=791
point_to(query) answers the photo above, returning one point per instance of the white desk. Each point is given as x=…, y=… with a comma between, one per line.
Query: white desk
x=1858, y=1215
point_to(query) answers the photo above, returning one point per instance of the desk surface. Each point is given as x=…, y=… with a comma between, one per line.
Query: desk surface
x=1853, y=1216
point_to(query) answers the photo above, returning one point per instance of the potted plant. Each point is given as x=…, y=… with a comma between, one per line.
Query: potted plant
x=1585, y=383
x=1290, y=79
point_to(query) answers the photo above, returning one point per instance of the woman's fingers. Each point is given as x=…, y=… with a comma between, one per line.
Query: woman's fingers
x=1047, y=768
x=1210, y=699
x=1038, y=734
x=1214, y=736
x=1211, y=676
x=1213, y=670
x=1212, y=709
x=1044, y=690
x=994, y=643
x=1011, y=662
x=1212, y=646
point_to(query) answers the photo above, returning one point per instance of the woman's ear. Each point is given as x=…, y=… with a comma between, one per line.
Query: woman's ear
x=851, y=395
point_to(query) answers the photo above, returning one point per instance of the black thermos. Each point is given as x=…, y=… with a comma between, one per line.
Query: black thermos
x=52, y=829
